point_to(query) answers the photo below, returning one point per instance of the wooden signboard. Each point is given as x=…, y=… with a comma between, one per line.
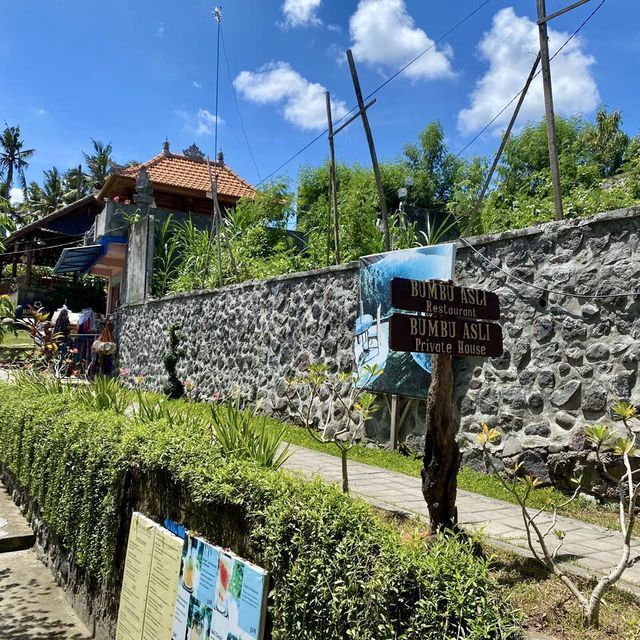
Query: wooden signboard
x=448, y=336
x=444, y=299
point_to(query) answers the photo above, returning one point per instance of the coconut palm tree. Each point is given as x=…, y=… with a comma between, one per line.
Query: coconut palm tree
x=52, y=190
x=77, y=184
x=99, y=163
x=13, y=157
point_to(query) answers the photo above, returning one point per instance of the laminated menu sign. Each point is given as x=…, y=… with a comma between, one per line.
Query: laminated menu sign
x=220, y=596
x=135, y=582
x=163, y=586
x=150, y=582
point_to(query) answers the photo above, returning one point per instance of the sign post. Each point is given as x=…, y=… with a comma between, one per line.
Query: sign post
x=452, y=321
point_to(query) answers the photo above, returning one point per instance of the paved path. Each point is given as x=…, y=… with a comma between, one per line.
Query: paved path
x=32, y=605
x=592, y=548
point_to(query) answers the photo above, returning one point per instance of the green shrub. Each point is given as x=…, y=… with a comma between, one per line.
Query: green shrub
x=243, y=434
x=337, y=570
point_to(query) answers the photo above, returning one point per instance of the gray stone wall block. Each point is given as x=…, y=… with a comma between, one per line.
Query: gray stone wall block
x=566, y=358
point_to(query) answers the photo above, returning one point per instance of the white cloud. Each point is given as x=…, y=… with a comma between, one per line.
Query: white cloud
x=200, y=123
x=510, y=48
x=160, y=31
x=385, y=36
x=303, y=101
x=301, y=13
x=16, y=196
x=40, y=112
x=196, y=85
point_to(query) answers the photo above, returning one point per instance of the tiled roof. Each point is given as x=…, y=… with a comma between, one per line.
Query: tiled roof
x=185, y=173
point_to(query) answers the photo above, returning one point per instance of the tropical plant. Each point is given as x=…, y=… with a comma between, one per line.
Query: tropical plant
x=7, y=311
x=53, y=191
x=46, y=341
x=104, y=393
x=13, y=157
x=610, y=449
x=437, y=230
x=166, y=259
x=99, y=163
x=242, y=434
x=39, y=382
x=348, y=407
x=77, y=185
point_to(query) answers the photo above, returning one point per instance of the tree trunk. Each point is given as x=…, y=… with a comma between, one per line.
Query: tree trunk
x=591, y=615
x=441, y=460
x=345, y=474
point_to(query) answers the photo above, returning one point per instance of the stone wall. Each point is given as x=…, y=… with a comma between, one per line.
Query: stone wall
x=566, y=358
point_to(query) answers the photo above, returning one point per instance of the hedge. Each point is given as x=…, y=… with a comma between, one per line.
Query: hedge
x=337, y=569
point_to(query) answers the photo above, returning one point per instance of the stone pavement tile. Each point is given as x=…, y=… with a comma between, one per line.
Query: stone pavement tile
x=32, y=605
x=592, y=547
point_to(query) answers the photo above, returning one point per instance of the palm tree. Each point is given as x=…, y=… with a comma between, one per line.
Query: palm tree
x=13, y=158
x=100, y=163
x=52, y=190
x=77, y=184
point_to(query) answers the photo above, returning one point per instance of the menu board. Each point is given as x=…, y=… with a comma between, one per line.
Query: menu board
x=163, y=586
x=183, y=588
x=135, y=582
x=220, y=596
x=149, y=584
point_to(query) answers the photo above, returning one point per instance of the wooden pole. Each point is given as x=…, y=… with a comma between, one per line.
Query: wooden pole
x=503, y=144
x=334, y=179
x=372, y=151
x=548, y=106
x=215, y=227
x=441, y=460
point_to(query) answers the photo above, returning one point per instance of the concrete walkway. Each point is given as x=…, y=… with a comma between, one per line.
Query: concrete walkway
x=32, y=605
x=588, y=547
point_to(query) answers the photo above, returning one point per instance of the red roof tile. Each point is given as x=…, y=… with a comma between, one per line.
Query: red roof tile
x=179, y=171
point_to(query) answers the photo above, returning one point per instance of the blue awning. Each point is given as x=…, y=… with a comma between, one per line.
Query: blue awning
x=79, y=259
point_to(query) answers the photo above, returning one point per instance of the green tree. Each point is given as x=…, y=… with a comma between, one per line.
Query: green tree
x=604, y=143
x=13, y=156
x=433, y=169
x=99, y=162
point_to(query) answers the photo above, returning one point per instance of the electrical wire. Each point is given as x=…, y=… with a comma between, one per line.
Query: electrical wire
x=565, y=43
x=568, y=294
x=378, y=88
x=235, y=97
x=54, y=246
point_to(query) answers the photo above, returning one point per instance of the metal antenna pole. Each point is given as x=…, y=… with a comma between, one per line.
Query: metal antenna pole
x=548, y=106
x=217, y=12
x=372, y=149
x=334, y=179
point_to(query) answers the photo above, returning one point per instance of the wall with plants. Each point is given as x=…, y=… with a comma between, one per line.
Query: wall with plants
x=337, y=570
x=567, y=357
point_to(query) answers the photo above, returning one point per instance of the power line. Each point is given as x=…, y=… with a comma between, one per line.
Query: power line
x=380, y=87
x=429, y=48
x=54, y=246
x=557, y=292
x=235, y=97
x=564, y=44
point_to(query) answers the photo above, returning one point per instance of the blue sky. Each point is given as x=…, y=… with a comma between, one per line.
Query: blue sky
x=134, y=72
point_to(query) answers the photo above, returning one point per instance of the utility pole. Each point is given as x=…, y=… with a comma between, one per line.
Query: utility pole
x=503, y=144
x=548, y=106
x=372, y=149
x=334, y=179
